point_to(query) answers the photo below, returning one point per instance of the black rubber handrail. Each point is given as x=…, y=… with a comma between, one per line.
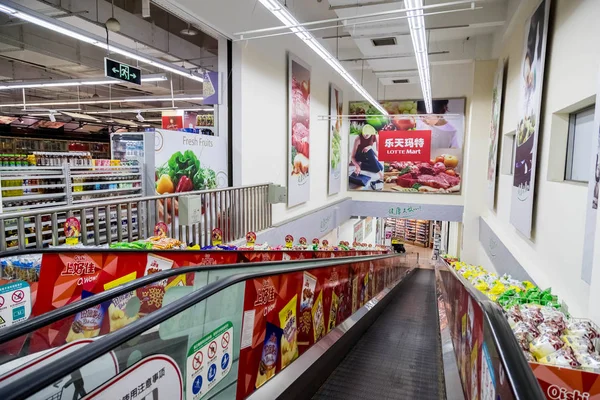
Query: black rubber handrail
x=524, y=384
x=58, y=314
x=27, y=385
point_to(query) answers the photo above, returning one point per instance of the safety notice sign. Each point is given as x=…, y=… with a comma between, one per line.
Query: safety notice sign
x=15, y=303
x=209, y=361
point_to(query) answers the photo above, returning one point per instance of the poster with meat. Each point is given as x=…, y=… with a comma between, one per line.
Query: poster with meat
x=336, y=105
x=299, y=131
x=495, y=132
x=408, y=150
x=529, y=117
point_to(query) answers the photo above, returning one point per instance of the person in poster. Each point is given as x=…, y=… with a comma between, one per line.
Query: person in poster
x=413, y=152
x=364, y=157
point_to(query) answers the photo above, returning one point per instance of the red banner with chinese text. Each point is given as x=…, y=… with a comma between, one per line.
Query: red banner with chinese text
x=412, y=146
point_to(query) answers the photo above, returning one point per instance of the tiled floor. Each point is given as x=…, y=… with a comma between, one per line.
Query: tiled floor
x=425, y=260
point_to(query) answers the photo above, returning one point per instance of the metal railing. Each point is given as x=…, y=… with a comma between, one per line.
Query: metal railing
x=234, y=210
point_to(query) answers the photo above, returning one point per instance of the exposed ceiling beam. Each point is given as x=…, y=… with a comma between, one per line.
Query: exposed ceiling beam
x=392, y=56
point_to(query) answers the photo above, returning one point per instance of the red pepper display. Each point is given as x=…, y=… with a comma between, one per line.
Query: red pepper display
x=184, y=185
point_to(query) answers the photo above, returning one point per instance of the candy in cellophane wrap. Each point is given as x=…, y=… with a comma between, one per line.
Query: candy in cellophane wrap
x=588, y=361
x=544, y=345
x=578, y=343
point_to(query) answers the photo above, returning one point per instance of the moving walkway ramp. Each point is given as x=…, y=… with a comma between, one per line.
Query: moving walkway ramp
x=371, y=327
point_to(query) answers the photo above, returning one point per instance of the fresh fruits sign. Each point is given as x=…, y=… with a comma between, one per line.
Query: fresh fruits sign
x=407, y=150
x=299, y=131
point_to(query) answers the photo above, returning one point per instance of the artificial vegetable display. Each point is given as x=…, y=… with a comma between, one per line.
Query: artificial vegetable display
x=183, y=173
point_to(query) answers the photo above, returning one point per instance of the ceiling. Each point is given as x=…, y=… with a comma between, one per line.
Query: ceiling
x=31, y=52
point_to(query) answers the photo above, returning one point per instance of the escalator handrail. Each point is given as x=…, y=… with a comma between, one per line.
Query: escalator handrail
x=27, y=385
x=40, y=321
x=523, y=382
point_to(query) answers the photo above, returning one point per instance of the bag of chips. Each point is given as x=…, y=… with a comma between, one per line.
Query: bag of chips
x=289, y=343
x=268, y=359
x=582, y=328
x=564, y=357
x=588, y=361
x=318, y=317
x=544, y=345
x=578, y=343
x=526, y=329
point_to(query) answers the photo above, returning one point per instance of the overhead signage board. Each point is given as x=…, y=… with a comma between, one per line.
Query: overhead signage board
x=122, y=71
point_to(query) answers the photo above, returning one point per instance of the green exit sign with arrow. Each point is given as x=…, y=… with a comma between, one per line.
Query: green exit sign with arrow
x=122, y=71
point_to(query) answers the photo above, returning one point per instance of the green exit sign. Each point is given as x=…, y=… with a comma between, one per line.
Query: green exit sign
x=122, y=71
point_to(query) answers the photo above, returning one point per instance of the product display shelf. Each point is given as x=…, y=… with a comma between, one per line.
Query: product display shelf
x=114, y=181
x=25, y=187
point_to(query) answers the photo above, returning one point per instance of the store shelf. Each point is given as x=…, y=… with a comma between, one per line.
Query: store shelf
x=105, y=174
x=31, y=197
x=29, y=177
x=106, y=182
x=117, y=190
x=107, y=198
x=33, y=206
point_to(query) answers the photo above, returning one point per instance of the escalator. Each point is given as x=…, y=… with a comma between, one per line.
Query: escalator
x=385, y=346
x=406, y=330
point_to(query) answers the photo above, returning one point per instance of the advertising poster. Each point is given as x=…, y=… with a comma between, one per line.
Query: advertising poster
x=299, y=131
x=408, y=151
x=368, y=226
x=186, y=162
x=172, y=123
x=210, y=88
x=566, y=383
x=530, y=103
x=495, y=132
x=592, y=199
x=286, y=314
x=359, y=231
x=336, y=106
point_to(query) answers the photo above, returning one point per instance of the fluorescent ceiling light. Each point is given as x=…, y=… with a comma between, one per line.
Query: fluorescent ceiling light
x=135, y=110
x=416, y=23
x=288, y=20
x=74, y=82
x=15, y=10
x=140, y=99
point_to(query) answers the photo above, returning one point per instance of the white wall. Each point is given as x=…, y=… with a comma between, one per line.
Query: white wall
x=346, y=231
x=553, y=257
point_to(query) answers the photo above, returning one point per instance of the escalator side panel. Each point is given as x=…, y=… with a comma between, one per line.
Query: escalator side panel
x=399, y=357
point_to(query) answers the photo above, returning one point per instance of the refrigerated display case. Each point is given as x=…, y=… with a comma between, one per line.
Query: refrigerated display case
x=139, y=146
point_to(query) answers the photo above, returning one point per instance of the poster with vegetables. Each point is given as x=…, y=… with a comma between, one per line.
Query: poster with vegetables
x=408, y=150
x=336, y=104
x=530, y=105
x=299, y=131
x=187, y=161
x=495, y=132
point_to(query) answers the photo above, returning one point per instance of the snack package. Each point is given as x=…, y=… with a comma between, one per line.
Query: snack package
x=289, y=343
x=268, y=359
x=582, y=328
x=545, y=345
x=335, y=301
x=588, y=361
x=308, y=291
x=526, y=329
x=87, y=323
x=551, y=314
x=549, y=327
x=117, y=316
x=318, y=318
x=578, y=343
x=564, y=357
x=531, y=314
x=354, y=294
x=528, y=356
x=513, y=315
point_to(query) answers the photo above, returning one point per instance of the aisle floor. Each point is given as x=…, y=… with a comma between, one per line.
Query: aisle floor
x=399, y=357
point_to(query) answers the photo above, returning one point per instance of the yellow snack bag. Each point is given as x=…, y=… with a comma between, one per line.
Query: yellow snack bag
x=318, y=318
x=498, y=289
x=335, y=302
x=289, y=343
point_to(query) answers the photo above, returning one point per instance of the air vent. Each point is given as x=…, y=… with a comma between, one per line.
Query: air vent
x=400, y=81
x=388, y=41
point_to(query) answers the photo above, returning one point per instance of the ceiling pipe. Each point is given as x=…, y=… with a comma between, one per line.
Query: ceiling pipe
x=377, y=14
x=357, y=5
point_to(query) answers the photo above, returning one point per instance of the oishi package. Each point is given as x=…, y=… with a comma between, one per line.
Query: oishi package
x=335, y=301
x=318, y=318
x=87, y=323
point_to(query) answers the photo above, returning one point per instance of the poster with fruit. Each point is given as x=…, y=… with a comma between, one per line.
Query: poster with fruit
x=408, y=150
x=299, y=131
x=336, y=104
